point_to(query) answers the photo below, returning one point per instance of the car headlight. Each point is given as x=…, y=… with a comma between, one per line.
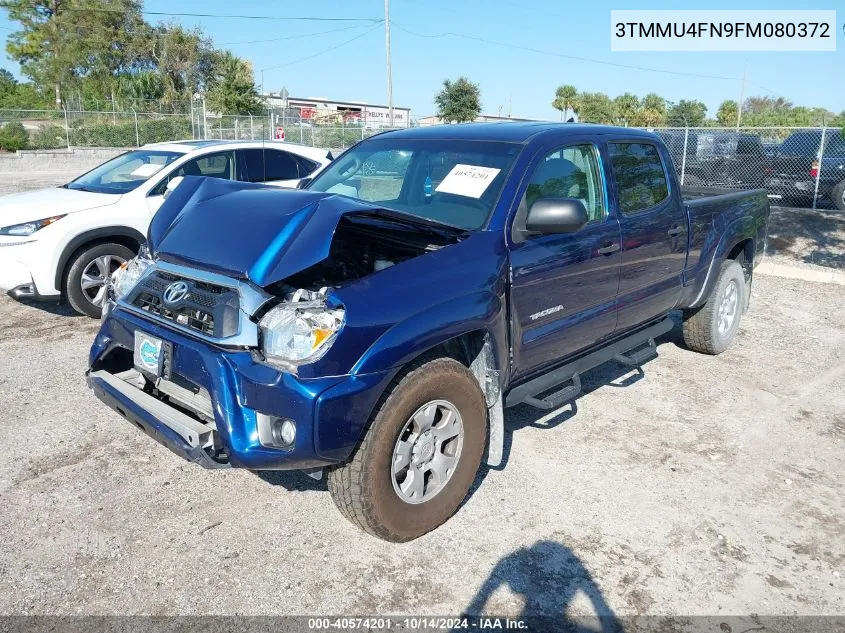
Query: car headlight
x=125, y=277
x=294, y=334
x=26, y=229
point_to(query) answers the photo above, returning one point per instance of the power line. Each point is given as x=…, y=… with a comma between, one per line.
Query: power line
x=564, y=56
x=218, y=15
x=327, y=50
x=295, y=37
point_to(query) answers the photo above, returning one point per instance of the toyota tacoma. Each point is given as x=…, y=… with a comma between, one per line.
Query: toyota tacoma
x=373, y=325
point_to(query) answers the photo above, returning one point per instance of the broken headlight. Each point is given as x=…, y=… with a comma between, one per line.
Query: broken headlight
x=297, y=333
x=125, y=277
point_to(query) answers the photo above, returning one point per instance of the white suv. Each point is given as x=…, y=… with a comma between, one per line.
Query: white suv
x=66, y=241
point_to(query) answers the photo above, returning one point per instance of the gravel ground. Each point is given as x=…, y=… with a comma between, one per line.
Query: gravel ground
x=710, y=485
x=706, y=485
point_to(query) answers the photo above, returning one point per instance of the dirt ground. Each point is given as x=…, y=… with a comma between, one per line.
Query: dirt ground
x=707, y=485
x=806, y=236
x=704, y=485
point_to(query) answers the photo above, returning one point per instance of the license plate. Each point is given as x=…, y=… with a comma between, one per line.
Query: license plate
x=149, y=353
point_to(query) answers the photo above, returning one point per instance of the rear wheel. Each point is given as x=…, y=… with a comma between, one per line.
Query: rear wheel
x=85, y=283
x=711, y=328
x=420, y=454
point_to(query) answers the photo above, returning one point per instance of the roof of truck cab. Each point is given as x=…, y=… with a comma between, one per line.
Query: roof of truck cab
x=508, y=131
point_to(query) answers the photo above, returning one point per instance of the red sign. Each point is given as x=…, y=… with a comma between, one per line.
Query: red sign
x=280, y=134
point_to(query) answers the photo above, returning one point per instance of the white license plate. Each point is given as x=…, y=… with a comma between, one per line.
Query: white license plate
x=149, y=353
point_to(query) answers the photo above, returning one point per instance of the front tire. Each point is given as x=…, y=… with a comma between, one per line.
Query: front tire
x=89, y=269
x=419, y=456
x=711, y=328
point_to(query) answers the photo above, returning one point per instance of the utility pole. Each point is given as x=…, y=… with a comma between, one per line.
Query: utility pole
x=741, y=97
x=387, y=48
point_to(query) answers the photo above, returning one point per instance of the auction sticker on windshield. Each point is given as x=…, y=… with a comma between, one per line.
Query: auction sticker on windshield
x=146, y=170
x=468, y=180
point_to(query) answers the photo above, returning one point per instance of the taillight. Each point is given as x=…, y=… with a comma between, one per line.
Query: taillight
x=814, y=168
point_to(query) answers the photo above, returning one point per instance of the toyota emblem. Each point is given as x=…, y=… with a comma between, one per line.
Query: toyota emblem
x=175, y=292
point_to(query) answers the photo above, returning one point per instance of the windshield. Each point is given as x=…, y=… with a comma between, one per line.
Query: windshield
x=451, y=182
x=124, y=173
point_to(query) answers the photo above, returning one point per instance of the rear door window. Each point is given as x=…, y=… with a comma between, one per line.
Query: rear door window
x=641, y=181
x=264, y=165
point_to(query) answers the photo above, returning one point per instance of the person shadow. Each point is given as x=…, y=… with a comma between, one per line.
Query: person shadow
x=548, y=576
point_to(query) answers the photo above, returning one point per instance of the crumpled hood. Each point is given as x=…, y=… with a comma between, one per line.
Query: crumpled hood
x=44, y=203
x=256, y=232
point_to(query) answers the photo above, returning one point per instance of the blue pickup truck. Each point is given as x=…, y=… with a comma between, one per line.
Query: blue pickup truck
x=373, y=325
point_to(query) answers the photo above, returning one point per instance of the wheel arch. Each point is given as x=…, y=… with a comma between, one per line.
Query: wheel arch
x=124, y=235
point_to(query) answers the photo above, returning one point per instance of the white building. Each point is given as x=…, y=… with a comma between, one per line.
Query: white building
x=328, y=111
x=481, y=118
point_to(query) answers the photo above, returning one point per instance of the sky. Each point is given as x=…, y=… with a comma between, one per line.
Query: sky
x=518, y=82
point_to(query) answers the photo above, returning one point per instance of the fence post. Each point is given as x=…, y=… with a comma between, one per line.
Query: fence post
x=67, y=128
x=236, y=128
x=137, y=137
x=684, y=156
x=251, y=129
x=204, y=120
x=819, y=170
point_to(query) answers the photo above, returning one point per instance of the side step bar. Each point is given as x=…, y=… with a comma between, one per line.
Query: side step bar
x=621, y=351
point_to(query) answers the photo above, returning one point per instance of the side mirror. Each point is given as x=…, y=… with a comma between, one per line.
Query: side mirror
x=303, y=183
x=556, y=215
x=174, y=182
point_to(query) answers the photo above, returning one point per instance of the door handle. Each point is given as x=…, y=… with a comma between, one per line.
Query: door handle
x=675, y=230
x=609, y=248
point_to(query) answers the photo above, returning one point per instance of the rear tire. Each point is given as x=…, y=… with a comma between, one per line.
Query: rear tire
x=367, y=489
x=711, y=328
x=85, y=295
x=838, y=195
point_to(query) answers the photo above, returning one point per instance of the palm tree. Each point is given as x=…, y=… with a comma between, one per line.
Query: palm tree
x=628, y=108
x=565, y=99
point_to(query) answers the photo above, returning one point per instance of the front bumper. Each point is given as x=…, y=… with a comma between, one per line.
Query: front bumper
x=330, y=412
x=13, y=272
x=23, y=272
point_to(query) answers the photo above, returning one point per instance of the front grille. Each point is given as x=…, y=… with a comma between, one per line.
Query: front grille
x=208, y=308
x=195, y=319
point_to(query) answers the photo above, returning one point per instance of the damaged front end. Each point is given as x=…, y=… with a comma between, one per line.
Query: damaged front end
x=251, y=298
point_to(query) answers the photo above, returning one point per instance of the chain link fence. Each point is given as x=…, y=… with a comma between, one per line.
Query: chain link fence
x=54, y=129
x=800, y=167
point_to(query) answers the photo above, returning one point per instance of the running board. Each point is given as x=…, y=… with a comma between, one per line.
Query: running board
x=620, y=350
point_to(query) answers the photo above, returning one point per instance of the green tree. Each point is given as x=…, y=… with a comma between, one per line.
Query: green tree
x=59, y=42
x=687, y=113
x=596, y=107
x=232, y=88
x=459, y=101
x=13, y=136
x=184, y=58
x=653, y=111
x=565, y=100
x=627, y=108
x=726, y=115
